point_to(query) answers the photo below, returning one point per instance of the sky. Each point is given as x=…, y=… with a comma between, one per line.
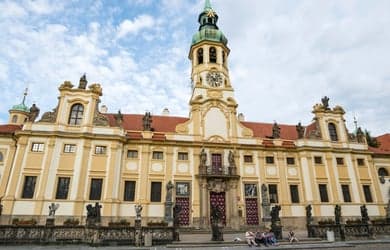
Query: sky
x=285, y=55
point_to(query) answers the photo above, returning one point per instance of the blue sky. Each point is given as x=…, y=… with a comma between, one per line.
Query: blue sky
x=285, y=55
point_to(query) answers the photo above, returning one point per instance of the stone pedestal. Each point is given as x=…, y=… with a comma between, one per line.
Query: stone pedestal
x=138, y=232
x=50, y=222
x=168, y=213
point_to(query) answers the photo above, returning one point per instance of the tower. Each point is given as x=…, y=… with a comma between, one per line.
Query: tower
x=18, y=114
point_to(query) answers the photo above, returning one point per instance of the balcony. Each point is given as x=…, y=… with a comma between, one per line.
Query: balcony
x=226, y=172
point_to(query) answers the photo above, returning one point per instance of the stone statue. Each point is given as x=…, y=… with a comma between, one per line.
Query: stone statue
x=52, y=209
x=275, y=131
x=300, y=130
x=337, y=214
x=138, y=209
x=83, y=82
x=359, y=135
x=309, y=217
x=232, y=163
x=264, y=195
x=325, y=102
x=118, y=118
x=364, y=213
x=215, y=218
x=170, y=187
x=275, y=214
x=203, y=157
x=147, y=122
x=34, y=112
x=93, y=214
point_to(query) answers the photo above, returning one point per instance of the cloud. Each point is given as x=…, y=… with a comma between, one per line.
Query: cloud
x=133, y=27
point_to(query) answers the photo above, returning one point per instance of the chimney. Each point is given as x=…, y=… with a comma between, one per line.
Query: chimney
x=165, y=112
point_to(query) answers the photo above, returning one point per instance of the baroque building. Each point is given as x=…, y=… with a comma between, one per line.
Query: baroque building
x=76, y=154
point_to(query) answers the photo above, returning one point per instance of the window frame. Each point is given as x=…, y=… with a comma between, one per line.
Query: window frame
x=25, y=194
x=339, y=161
x=367, y=193
x=200, y=56
x=294, y=193
x=332, y=129
x=183, y=189
x=76, y=114
x=155, y=191
x=273, y=197
x=59, y=195
x=100, y=150
x=318, y=162
x=323, y=191
x=156, y=155
x=69, y=148
x=360, y=162
x=93, y=194
x=129, y=190
x=183, y=155
x=132, y=154
x=346, y=193
x=270, y=160
x=248, y=158
x=290, y=158
x=37, y=147
x=213, y=54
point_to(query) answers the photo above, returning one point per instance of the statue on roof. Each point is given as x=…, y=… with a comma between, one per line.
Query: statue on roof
x=275, y=131
x=300, y=130
x=147, y=122
x=83, y=82
x=118, y=118
x=325, y=102
x=34, y=112
x=359, y=135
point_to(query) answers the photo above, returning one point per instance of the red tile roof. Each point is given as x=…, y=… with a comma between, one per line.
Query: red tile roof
x=384, y=146
x=264, y=130
x=9, y=129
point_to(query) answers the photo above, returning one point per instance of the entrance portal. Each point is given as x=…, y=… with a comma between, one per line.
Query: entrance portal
x=218, y=200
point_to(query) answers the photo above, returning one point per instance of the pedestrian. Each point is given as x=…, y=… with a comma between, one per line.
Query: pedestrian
x=250, y=238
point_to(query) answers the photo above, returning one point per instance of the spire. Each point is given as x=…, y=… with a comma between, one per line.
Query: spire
x=22, y=106
x=24, y=95
x=207, y=6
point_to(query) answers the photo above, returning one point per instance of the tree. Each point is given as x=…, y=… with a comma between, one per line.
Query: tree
x=371, y=141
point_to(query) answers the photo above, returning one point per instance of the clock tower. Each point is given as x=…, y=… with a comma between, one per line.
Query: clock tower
x=213, y=107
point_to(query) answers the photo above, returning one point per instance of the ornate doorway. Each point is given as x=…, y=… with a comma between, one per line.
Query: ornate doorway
x=183, y=201
x=218, y=200
x=251, y=204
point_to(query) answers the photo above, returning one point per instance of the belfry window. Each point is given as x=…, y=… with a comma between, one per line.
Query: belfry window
x=213, y=55
x=14, y=119
x=223, y=57
x=1, y=157
x=76, y=114
x=200, y=56
x=332, y=132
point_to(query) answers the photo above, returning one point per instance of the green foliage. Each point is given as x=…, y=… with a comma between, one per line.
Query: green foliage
x=371, y=141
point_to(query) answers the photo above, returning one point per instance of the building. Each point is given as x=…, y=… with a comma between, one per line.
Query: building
x=76, y=155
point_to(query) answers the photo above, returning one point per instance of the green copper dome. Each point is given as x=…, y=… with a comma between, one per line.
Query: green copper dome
x=208, y=29
x=21, y=107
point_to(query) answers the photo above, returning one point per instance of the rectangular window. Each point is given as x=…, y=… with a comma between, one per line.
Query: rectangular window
x=132, y=154
x=294, y=193
x=29, y=187
x=100, y=150
x=155, y=193
x=157, y=155
x=290, y=160
x=62, y=187
x=269, y=159
x=273, y=193
x=250, y=190
x=129, y=193
x=360, y=162
x=323, y=193
x=248, y=158
x=37, y=147
x=69, y=148
x=182, y=156
x=346, y=193
x=367, y=193
x=339, y=161
x=317, y=159
x=182, y=189
x=95, y=192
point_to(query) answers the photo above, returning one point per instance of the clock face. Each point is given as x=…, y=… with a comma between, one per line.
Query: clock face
x=214, y=79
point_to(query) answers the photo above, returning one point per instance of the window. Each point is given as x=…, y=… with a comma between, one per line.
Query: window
x=248, y=158
x=1, y=157
x=290, y=160
x=332, y=132
x=76, y=114
x=200, y=56
x=383, y=172
x=346, y=193
x=69, y=148
x=129, y=193
x=132, y=154
x=323, y=193
x=317, y=159
x=37, y=147
x=294, y=193
x=360, y=162
x=273, y=193
x=100, y=150
x=14, y=119
x=29, y=187
x=339, y=161
x=182, y=189
x=250, y=190
x=157, y=155
x=269, y=159
x=182, y=156
x=213, y=55
x=367, y=193
x=155, y=193
x=62, y=187
x=95, y=192
x=223, y=57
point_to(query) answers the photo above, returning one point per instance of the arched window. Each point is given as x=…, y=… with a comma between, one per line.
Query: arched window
x=213, y=55
x=332, y=132
x=76, y=114
x=14, y=119
x=1, y=157
x=200, y=56
x=383, y=172
x=223, y=57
